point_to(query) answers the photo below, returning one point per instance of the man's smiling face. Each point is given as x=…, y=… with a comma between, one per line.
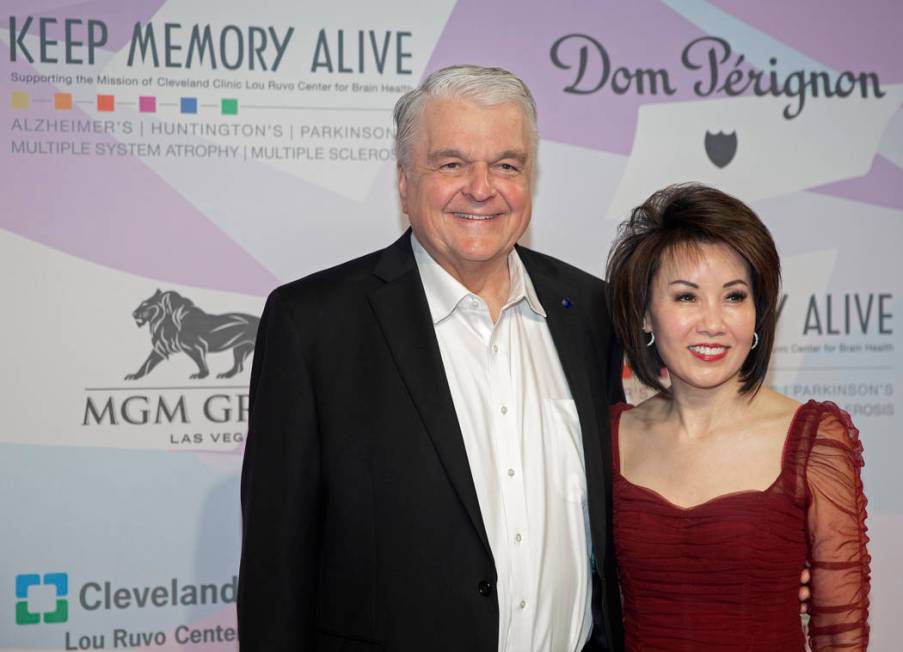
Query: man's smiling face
x=467, y=189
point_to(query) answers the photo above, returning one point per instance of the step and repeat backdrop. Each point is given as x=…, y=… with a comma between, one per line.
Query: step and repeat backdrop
x=165, y=164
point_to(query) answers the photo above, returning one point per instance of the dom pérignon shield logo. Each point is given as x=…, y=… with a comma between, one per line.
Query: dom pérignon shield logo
x=721, y=147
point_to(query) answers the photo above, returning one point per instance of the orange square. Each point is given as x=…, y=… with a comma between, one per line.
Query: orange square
x=106, y=103
x=62, y=101
x=19, y=100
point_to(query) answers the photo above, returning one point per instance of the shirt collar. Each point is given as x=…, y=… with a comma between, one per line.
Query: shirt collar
x=444, y=292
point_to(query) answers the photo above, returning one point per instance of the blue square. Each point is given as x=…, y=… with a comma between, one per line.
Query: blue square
x=59, y=580
x=189, y=105
x=23, y=582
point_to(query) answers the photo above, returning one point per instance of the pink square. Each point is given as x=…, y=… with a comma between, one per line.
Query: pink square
x=147, y=104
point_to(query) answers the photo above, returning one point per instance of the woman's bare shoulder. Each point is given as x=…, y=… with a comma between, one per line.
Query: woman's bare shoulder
x=775, y=409
x=644, y=415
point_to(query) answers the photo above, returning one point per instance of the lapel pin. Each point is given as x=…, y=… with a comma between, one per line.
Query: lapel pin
x=567, y=303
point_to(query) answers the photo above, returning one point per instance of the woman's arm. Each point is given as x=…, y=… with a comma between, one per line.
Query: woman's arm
x=837, y=536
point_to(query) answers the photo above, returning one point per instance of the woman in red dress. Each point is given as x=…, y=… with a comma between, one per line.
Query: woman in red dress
x=724, y=489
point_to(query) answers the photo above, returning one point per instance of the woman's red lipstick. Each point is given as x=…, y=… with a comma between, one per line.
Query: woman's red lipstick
x=709, y=352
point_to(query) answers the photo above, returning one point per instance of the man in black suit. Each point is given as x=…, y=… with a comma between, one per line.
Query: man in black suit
x=427, y=464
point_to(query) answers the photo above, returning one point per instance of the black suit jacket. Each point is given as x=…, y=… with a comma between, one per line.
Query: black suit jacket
x=361, y=526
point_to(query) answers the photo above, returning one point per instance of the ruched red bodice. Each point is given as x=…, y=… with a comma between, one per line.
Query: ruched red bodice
x=724, y=575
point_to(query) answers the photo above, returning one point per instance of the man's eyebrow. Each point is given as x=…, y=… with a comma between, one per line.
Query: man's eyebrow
x=446, y=153
x=518, y=155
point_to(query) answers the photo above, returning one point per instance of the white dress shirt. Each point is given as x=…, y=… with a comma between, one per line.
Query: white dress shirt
x=524, y=446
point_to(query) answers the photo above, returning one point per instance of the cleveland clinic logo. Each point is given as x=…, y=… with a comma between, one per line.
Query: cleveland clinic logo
x=35, y=593
x=27, y=613
x=177, y=325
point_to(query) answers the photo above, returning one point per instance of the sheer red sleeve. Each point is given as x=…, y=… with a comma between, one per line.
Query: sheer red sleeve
x=837, y=536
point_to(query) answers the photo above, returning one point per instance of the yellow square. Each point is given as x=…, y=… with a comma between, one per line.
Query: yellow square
x=20, y=100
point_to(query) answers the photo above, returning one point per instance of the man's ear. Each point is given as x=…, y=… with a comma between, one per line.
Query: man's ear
x=402, y=187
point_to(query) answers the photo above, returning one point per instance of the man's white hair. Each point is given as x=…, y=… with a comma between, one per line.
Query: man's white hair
x=482, y=85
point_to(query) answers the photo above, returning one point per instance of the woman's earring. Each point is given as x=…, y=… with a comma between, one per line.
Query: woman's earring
x=755, y=341
x=652, y=340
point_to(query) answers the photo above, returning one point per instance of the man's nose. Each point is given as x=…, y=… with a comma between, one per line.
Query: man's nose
x=479, y=182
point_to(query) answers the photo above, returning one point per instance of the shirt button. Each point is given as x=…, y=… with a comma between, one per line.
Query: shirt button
x=510, y=473
x=474, y=303
x=518, y=537
x=504, y=410
x=495, y=348
x=523, y=604
x=485, y=588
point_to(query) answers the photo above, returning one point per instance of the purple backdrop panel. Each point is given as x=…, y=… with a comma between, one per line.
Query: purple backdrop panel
x=881, y=186
x=841, y=35
x=642, y=34
x=114, y=210
x=119, y=17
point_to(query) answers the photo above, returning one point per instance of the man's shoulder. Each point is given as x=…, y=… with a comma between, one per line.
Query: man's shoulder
x=540, y=263
x=352, y=279
x=345, y=277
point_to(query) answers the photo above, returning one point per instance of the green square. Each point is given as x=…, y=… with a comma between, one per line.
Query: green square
x=61, y=614
x=24, y=616
x=229, y=106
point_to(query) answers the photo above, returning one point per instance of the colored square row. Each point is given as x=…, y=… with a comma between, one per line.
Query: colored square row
x=107, y=103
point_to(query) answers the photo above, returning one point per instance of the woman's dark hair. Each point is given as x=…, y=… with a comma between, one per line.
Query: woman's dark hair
x=687, y=215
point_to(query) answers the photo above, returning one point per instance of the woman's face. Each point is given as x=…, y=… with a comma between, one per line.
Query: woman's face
x=702, y=311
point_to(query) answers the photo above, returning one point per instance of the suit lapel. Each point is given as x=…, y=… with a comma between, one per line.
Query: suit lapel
x=567, y=321
x=403, y=314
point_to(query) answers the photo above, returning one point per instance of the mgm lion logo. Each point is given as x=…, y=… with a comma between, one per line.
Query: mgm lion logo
x=176, y=324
